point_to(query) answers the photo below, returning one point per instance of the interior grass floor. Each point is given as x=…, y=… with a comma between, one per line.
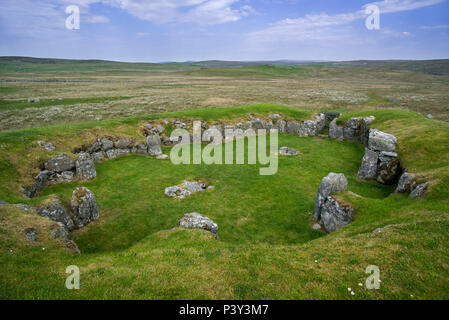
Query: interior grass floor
x=267, y=248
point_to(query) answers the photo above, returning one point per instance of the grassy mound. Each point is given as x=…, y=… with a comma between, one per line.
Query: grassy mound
x=267, y=248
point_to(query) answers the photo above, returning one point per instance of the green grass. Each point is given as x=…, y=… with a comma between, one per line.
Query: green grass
x=267, y=249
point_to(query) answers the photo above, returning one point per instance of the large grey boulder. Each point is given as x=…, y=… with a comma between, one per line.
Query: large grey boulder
x=406, y=184
x=351, y=129
x=85, y=167
x=196, y=221
x=106, y=144
x=333, y=182
x=381, y=141
x=368, y=169
x=335, y=131
x=335, y=216
x=60, y=163
x=98, y=156
x=39, y=183
x=58, y=213
x=84, y=207
x=154, y=145
x=419, y=191
x=124, y=144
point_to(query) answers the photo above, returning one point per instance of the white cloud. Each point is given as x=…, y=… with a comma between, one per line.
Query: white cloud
x=332, y=27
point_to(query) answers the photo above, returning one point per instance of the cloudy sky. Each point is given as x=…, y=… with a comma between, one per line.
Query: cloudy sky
x=181, y=30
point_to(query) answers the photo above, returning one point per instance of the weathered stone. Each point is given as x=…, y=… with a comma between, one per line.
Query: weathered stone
x=61, y=232
x=320, y=122
x=124, y=144
x=368, y=169
x=121, y=152
x=419, y=191
x=293, y=127
x=98, y=156
x=281, y=125
x=364, y=129
x=285, y=151
x=388, y=170
x=106, y=144
x=95, y=147
x=139, y=148
x=39, y=183
x=177, y=192
x=46, y=145
x=331, y=183
x=406, y=183
x=335, y=131
x=274, y=116
x=316, y=226
x=111, y=153
x=85, y=167
x=257, y=124
x=381, y=141
x=196, y=221
x=307, y=128
x=194, y=186
x=65, y=176
x=154, y=145
x=84, y=207
x=335, y=216
x=60, y=163
x=58, y=213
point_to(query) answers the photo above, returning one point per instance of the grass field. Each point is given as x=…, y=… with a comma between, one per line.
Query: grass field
x=267, y=248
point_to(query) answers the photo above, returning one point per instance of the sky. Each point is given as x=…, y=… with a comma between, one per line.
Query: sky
x=243, y=30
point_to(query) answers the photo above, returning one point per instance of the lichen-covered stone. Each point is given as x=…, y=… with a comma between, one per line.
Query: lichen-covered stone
x=419, y=191
x=39, y=183
x=154, y=145
x=85, y=167
x=58, y=213
x=84, y=207
x=406, y=184
x=333, y=182
x=381, y=141
x=368, y=169
x=60, y=163
x=106, y=144
x=196, y=221
x=334, y=216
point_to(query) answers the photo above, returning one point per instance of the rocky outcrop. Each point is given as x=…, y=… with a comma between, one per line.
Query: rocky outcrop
x=84, y=207
x=85, y=167
x=328, y=210
x=58, y=213
x=196, y=221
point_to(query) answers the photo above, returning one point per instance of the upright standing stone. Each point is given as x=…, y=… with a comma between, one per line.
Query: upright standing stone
x=154, y=145
x=84, y=207
x=85, y=167
x=368, y=169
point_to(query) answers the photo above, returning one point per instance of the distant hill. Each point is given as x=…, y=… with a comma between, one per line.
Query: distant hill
x=12, y=63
